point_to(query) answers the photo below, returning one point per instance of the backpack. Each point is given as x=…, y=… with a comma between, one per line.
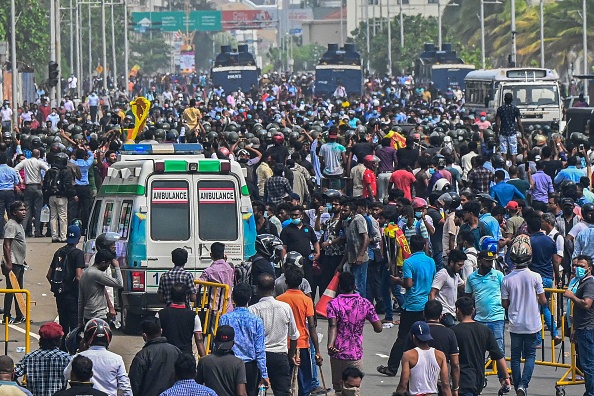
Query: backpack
x=243, y=273
x=54, y=183
x=62, y=277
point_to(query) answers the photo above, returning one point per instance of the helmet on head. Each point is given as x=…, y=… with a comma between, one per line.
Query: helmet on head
x=97, y=329
x=72, y=340
x=269, y=246
x=332, y=194
x=520, y=251
x=60, y=160
x=439, y=161
x=456, y=201
x=588, y=212
x=497, y=161
x=294, y=258
x=105, y=240
x=488, y=246
x=370, y=160
x=278, y=138
x=419, y=202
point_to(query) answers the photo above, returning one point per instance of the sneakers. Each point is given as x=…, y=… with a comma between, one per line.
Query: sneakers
x=12, y=320
x=521, y=391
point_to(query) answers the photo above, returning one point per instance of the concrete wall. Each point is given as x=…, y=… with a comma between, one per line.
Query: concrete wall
x=323, y=32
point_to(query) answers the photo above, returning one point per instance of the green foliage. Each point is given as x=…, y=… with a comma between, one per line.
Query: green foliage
x=305, y=57
x=151, y=55
x=32, y=33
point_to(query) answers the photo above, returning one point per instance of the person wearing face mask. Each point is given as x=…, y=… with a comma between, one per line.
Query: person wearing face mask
x=351, y=381
x=583, y=318
x=482, y=122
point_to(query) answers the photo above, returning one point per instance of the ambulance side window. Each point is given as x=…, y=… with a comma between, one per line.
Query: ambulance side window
x=124, y=220
x=170, y=210
x=217, y=210
x=95, y=219
x=107, y=215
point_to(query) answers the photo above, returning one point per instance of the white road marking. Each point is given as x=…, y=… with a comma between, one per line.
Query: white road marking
x=14, y=327
x=382, y=355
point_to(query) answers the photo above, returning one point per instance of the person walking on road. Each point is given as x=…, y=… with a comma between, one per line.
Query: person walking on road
x=14, y=252
x=517, y=296
x=153, y=368
x=33, y=195
x=9, y=183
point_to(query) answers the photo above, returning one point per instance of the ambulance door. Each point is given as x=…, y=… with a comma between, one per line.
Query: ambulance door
x=170, y=225
x=219, y=218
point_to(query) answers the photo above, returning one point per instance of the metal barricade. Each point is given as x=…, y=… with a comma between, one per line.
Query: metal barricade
x=25, y=306
x=555, y=297
x=211, y=303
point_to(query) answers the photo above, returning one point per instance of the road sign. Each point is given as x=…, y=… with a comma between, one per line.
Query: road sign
x=173, y=21
x=295, y=31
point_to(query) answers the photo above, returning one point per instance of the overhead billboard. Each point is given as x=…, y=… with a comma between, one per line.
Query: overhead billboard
x=247, y=19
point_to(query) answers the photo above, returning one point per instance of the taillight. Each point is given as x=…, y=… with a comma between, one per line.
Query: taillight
x=225, y=167
x=138, y=281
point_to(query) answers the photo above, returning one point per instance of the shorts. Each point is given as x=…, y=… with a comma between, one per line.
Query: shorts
x=510, y=141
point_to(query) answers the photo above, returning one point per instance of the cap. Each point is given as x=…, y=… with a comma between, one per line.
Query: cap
x=294, y=196
x=487, y=255
x=483, y=114
x=50, y=331
x=225, y=337
x=421, y=330
x=73, y=234
x=512, y=205
x=567, y=201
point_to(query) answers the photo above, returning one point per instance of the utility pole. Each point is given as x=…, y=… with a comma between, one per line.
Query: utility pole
x=90, y=53
x=389, y=39
x=542, y=47
x=401, y=25
x=58, y=25
x=13, y=61
x=103, y=38
x=52, y=25
x=79, y=72
x=585, y=43
x=513, y=34
x=439, y=25
x=367, y=33
x=71, y=39
x=113, y=50
x=482, y=18
x=127, y=70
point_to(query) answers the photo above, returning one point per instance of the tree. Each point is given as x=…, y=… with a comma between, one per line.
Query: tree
x=152, y=55
x=305, y=57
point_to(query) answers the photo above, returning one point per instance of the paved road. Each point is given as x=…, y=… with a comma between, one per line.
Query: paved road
x=376, y=346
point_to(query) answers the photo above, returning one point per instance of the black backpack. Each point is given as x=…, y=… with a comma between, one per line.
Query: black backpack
x=54, y=183
x=62, y=278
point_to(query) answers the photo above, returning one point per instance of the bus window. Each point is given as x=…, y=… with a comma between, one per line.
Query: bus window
x=124, y=220
x=107, y=215
x=170, y=210
x=94, y=219
x=217, y=210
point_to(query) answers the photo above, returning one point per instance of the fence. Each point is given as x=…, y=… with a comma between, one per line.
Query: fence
x=211, y=303
x=570, y=377
x=27, y=312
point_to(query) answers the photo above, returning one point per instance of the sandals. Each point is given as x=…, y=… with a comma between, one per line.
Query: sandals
x=385, y=370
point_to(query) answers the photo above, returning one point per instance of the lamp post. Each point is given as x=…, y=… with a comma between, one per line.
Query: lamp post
x=439, y=25
x=585, y=43
x=513, y=33
x=13, y=61
x=389, y=39
x=542, y=49
x=482, y=19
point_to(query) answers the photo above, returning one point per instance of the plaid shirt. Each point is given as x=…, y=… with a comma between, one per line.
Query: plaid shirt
x=45, y=371
x=173, y=276
x=480, y=179
x=188, y=387
x=276, y=189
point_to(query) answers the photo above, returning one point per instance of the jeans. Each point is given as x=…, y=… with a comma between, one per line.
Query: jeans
x=497, y=327
x=360, y=274
x=315, y=382
x=82, y=208
x=383, y=181
x=523, y=345
x=253, y=376
x=387, y=291
x=19, y=271
x=279, y=373
x=548, y=317
x=585, y=346
x=373, y=292
x=407, y=318
x=438, y=258
x=34, y=201
x=7, y=197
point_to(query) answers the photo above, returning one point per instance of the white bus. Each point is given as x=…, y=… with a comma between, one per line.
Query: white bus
x=535, y=92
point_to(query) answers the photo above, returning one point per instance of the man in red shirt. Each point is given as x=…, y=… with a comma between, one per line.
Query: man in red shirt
x=403, y=179
x=369, y=178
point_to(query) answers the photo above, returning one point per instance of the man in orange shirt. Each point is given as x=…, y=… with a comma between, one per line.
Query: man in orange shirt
x=303, y=311
x=369, y=179
x=403, y=179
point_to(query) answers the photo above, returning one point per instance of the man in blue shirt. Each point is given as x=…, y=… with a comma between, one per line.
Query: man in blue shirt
x=417, y=277
x=487, y=204
x=504, y=192
x=543, y=251
x=249, y=338
x=80, y=206
x=484, y=285
x=570, y=173
x=185, y=374
x=9, y=181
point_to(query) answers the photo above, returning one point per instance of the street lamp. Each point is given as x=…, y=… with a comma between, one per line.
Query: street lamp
x=482, y=19
x=542, y=56
x=439, y=21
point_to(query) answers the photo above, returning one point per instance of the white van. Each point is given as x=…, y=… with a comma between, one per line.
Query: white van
x=165, y=196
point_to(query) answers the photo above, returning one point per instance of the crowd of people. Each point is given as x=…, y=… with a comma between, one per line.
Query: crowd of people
x=443, y=222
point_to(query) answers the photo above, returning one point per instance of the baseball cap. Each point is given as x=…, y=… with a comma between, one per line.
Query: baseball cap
x=225, y=337
x=483, y=114
x=567, y=201
x=421, y=330
x=485, y=254
x=50, y=331
x=73, y=234
x=513, y=205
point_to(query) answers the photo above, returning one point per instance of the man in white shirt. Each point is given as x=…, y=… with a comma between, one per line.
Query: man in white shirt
x=279, y=324
x=93, y=103
x=521, y=293
x=72, y=81
x=445, y=286
x=68, y=104
x=33, y=195
x=6, y=113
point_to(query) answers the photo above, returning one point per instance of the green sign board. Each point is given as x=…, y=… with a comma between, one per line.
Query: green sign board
x=172, y=21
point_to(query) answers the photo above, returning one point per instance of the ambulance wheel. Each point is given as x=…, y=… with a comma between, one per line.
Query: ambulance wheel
x=559, y=391
x=130, y=322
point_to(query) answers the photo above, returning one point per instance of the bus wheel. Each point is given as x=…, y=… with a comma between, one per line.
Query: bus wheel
x=130, y=322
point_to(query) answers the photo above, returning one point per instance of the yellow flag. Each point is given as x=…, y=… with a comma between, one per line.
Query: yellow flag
x=140, y=109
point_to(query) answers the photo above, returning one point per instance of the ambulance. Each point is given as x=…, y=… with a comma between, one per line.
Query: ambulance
x=159, y=197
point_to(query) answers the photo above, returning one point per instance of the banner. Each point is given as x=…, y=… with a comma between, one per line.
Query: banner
x=140, y=108
x=187, y=62
x=247, y=19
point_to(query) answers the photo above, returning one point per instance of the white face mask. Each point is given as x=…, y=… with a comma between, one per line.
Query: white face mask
x=353, y=391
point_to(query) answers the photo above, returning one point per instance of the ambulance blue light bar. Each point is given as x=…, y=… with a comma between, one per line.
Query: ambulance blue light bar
x=163, y=148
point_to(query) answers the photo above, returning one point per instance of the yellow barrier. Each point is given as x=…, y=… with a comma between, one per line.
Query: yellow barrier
x=570, y=376
x=27, y=314
x=213, y=299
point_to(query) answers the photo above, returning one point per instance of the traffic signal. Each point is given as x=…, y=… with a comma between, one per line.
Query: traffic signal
x=53, y=74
